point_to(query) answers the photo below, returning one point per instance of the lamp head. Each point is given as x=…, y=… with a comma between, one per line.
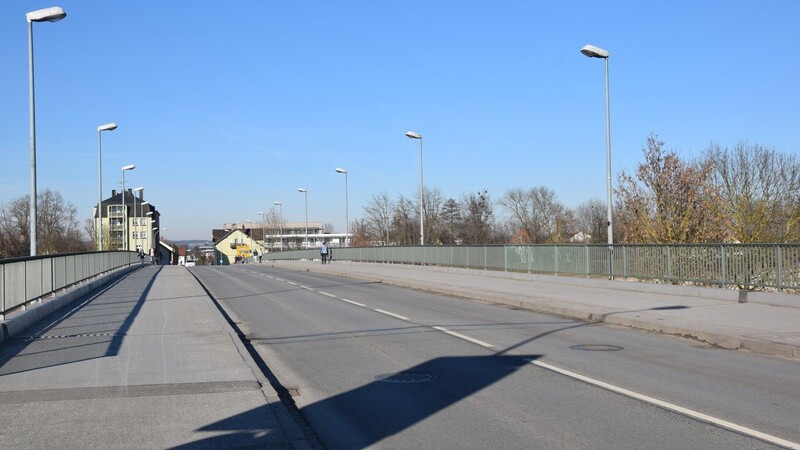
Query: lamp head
x=278, y=203
x=107, y=127
x=128, y=167
x=413, y=135
x=340, y=170
x=301, y=190
x=52, y=14
x=594, y=52
x=138, y=189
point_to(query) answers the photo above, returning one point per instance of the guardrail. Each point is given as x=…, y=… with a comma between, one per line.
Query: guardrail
x=27, y=280
x=741, y=266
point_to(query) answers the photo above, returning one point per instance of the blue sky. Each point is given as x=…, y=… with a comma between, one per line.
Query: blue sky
x=225, y=107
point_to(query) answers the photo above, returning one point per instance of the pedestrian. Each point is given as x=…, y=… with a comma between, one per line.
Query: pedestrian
x=152, y=256
x=323, y=252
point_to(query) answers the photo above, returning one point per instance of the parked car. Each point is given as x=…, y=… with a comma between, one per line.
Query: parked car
x=189, y=262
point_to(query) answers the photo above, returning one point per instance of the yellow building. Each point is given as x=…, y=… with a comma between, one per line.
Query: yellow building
x=233, y=243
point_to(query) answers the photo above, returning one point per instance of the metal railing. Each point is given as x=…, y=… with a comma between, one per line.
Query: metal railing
x=27, y=280
x=741, y=266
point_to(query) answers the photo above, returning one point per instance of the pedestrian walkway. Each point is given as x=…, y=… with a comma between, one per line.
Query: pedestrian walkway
x=706, y=314
x=147, y=363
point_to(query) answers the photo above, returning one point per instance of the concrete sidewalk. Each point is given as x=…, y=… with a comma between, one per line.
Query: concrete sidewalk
x=149, y=362
x=706, y=314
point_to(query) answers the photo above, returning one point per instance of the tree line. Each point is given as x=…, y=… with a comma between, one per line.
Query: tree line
x=58, y=230
x=749, y=193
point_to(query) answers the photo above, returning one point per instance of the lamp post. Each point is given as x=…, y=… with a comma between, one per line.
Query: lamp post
x=143, y=218
x=124, y=213
x=596, y=52
x=304, y=191
x=136, y=230
x=107, y=127
x=53, y=14
x=263, y=230
x=280, y=221
x=413, y=135
x=346, y=207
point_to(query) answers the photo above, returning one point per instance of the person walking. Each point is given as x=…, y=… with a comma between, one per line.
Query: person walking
x=323, y=252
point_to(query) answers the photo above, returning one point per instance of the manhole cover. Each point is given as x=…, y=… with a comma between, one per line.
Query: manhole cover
x=405, y=377
x=597, y=348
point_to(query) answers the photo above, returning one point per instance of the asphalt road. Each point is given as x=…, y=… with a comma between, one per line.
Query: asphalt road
x=371, y=365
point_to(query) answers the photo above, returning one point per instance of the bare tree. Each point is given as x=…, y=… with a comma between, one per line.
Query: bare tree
x=591, y=219
x=519, y=203
x=669, y=201
x=451, y=219
x=477, y=218
x=538, y=214
x=405, y=221
x=57, y=226
x=758, y=188
x=379, y=215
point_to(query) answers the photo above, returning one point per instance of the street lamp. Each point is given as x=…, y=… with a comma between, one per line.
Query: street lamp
x=135, y=230
x=596, y=52
x=306, y=195
x=124, y=213
x=280, y=221
x=263, y=230
x=413, y=135
x=346, y=207
x=142, y=220
x=53, y=14
x=107, y=127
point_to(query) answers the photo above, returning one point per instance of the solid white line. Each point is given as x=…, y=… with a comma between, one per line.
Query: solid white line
x=326, y=294
x=398, y=316
x=466, y=338
x=293, y=283
x=353, y=303
x=669, y=406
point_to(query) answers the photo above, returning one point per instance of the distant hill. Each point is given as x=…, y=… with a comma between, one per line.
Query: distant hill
x=192, y=243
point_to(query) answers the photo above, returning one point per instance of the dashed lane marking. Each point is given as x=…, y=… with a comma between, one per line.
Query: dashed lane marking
x=464, y=337
x=388, y=313
x=353, y=303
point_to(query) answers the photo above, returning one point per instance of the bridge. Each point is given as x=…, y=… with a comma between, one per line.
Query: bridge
x=296, y=354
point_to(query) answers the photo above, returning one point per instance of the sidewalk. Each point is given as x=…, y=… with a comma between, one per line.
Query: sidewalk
x=700, y=313
x=147, y=363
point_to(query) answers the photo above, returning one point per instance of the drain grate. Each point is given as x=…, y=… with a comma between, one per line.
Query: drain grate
x=405, y=377
x=597, y=348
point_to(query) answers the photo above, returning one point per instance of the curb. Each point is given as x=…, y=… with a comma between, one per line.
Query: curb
x=595, y=316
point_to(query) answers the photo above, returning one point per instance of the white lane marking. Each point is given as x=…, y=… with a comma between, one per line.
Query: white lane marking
x=326, y=294
x=353, y=303
x=466, y=338
x=293, y=283
x=398, y=316
x=305, y=287
x=672, y=407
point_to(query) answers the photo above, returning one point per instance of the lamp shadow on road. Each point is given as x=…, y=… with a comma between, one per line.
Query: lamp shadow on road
x=385, y=405
x=76, y=335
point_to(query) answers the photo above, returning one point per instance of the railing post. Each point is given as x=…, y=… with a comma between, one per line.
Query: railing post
x=588, y=261
x=555, y=258
x=669, y=263
x=530, y=258
x=779, y=266
x=724, y=266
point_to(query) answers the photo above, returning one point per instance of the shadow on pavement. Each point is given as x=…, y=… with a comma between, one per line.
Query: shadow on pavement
x=76, y=335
